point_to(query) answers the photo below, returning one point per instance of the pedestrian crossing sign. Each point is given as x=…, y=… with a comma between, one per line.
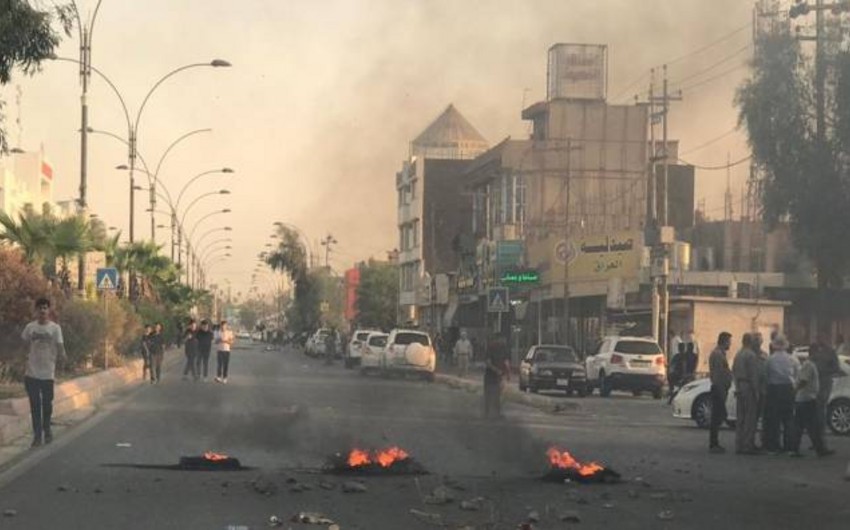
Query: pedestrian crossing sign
x=497, y=300
x=107, y=279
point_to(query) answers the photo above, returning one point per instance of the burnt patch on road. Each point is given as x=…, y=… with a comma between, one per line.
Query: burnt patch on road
x=392, y=461
x=209, y=461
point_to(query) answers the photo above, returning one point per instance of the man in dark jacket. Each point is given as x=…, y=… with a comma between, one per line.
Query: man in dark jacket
x=190, y=347
x=205, y=340
x=721, y=380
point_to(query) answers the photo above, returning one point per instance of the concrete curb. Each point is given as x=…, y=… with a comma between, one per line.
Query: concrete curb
x=79, y=393
x=510, y=393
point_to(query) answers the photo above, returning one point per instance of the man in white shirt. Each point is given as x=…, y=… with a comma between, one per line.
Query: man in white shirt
x=806, y=409
x=463, y=354
x=224, y=341
x=45, y=344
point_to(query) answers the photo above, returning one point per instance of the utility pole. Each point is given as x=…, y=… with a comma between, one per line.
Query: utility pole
x=663, y=235
x=820, y=73
x=327, y=242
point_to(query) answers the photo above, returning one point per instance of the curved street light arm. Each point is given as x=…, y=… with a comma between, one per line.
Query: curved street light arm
x=108, y=82
x=156, y=85
x=202, y=219
x=202, y=251
x=213, y=256
x=153, y=178
x=194, y=202
x=174, y=144
x=193, y=179
x=203, y=256
x=125, y=142
x=212, y=231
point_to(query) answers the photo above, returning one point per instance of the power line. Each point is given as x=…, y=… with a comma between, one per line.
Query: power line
x=710, y=142
x=714, y=65
x=721, y=40
x=713, y=78
x=718, y=168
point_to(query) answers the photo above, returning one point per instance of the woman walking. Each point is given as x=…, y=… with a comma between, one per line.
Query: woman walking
x=224, y=341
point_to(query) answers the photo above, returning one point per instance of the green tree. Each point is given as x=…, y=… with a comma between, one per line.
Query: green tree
x=806, y=179
x=27, y=37
x=290, y=257
x=377, y=295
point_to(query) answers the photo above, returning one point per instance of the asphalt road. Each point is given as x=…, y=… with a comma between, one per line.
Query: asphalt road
x=283, y=414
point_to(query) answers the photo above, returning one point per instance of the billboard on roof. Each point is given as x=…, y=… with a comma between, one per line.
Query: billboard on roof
x=578, y=71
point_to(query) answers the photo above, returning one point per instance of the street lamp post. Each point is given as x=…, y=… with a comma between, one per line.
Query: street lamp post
x=186, y=212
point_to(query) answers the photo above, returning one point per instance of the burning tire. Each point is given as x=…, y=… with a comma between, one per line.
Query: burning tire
x=838, y=416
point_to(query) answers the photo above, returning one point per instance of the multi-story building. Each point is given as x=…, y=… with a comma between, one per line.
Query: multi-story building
x=26, y=179
x=432, y=208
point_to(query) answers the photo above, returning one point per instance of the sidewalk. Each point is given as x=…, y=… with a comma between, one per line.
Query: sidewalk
x=72, y=398
x=474, y=384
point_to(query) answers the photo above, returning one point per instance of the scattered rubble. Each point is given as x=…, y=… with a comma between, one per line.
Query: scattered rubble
x=10, y=512
x=666, y=515
x=300, y=488
x=472, y=505
x=63, y=487
x=427, y=517
x=312, y=518
x=354, y=487
x=440, y=495
x=570, y=517
x=327, y=486
x=264, y=486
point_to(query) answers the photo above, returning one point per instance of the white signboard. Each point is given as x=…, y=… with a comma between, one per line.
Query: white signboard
x=578, y=71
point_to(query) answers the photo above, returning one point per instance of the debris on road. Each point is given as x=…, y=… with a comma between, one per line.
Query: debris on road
x=533, y=516
x=472, y=505
x=427, y=517
x=312, y=518
x=63, y=487
x=660, y=495
x=633, y=494
x=10, y=513
x=570, y=517
x=263, y=486
x=327, y=486
x=440, y=495
x=666, y=515
x=124, y=445
x=275, y=521
x=353, y=486
x=300, y=488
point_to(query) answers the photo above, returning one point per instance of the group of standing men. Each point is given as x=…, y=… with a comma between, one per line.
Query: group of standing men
x=198, y=343
x=788, y=396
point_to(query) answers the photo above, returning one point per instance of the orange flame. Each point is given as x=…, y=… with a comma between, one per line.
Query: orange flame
x=564, y=460
x=215, y=457
x=389, y=456
x=358, y=457
x=384, y=458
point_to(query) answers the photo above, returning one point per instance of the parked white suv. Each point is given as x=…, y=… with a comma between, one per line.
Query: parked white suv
x=634, y=364
x=352, y=353
x=372, y=351
x=409, y=351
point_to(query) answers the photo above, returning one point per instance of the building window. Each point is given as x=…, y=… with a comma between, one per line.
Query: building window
x=409, y=275
x=414, y=227
x=413, y=189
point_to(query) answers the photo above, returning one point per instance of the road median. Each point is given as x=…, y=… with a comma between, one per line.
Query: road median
x=511, y=393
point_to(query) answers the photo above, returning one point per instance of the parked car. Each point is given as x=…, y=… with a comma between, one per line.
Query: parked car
x=409, y=351
x=693, y=402
x=315, y=346
x=352, y=352
x=553, y=367
x=371, y=351
x=634, y=364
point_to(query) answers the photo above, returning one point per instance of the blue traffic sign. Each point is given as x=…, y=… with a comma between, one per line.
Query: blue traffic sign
x=107, y=279
x=497, y=300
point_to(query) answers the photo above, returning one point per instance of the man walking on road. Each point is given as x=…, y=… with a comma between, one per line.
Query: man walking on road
x=157, y=345
x=721, y=380
x=496, y=372
x=224, y=341
x=805, y=410
x=745, y=369
x=190, y=345
x=146, y=351
x=782, y=371
x=463, y=353
x=205, y=341
x=46, y=344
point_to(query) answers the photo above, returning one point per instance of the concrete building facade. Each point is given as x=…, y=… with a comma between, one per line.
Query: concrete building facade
x=26, y=179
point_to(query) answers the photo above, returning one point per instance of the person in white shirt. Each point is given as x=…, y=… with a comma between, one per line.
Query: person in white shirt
x=224, y=341
x=463, y=354
x=45, y=342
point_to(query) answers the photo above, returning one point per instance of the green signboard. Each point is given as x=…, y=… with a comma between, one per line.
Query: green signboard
x=520, y=277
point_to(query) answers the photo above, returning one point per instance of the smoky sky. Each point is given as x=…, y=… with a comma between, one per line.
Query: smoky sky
x=324, y=96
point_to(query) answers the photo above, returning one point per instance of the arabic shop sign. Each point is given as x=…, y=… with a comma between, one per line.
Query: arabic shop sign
x=520, y=276
x=589, y=258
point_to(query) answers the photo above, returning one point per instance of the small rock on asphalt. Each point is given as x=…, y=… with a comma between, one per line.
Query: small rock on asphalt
x=659, y=496
x=533, y=516
x=665, y=515
x=327, y=485
x=472, y=505
x=427, y=517
x=10, y=513
x=353, y=487
x=264, y=486
x=440, y=495
x=608, y=505
x=299, y=488
x=312, y=518
x=64, y=487
x=570, y=517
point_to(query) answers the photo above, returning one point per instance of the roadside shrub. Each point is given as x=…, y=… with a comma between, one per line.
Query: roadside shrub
x=84, y=328
x=21, y=284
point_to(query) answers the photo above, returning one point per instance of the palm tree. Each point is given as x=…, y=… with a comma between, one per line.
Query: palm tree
x=31, y=233
x=69, y=237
